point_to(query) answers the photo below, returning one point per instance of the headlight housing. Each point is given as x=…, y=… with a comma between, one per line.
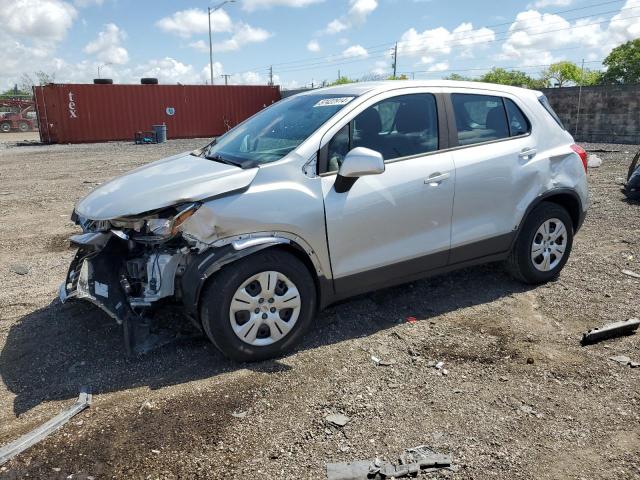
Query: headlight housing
x=169, y=227
x=160, y=225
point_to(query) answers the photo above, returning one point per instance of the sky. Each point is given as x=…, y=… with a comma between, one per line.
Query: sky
x=305, y=41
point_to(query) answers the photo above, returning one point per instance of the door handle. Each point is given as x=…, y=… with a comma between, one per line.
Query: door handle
x=437, y=178
x=528, y=153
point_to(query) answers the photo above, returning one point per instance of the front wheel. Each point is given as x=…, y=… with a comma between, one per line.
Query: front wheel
x=543, y=246
x=5, y=127
x=259, y=307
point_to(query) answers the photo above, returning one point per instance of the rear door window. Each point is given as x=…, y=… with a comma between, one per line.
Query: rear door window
x=479, y=118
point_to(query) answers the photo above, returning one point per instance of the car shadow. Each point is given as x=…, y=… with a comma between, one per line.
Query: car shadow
x=52, y=351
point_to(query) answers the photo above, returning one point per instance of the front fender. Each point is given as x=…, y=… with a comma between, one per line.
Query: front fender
x=202, y=266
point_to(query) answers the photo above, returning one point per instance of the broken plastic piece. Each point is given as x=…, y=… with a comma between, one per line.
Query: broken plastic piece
x=28, y=440
x=612, y=330
x=411, y=463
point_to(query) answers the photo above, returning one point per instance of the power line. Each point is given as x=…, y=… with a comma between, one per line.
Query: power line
x=375, y=48
x=447, y=49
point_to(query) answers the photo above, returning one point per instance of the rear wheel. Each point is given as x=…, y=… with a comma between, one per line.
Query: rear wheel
x=23, y=127
x=259, y=307
x=5, y=127
x=543, y=246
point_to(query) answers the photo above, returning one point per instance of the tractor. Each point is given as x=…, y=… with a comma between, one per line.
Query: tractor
x=17, y=118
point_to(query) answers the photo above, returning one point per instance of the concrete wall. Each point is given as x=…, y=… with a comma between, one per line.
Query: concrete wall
x=608, y=114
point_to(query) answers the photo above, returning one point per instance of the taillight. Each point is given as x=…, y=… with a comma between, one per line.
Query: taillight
x=582, y=153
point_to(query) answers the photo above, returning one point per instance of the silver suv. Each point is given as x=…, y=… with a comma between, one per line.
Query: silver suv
x=329, y=194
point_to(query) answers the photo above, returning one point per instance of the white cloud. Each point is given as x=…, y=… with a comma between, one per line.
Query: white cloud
x=166, y=70
x=550, y=3
x=244, y=35
x=533, y=35
x=355, y=51
x=358, y=12
x=36, y=20
x=313, y=46
x=380, y=68
x=361, y=9
x=435, y=42
x=251, y=5
x=336, y=26
x=107, y=47
x=623, y=26
x=439, y=67
x=87, y=3
x=195, y=21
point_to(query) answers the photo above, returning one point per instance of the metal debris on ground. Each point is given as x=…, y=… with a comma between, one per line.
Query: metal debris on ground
x=411, y=462
x=28, y=440
x=382, y=363
x=239, y=414
x=624, y=360
x=626, y=327
x=337, y=419
x=631, y=273
x=632, y=186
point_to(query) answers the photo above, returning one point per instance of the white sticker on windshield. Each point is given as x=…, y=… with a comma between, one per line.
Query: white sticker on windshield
x=331, y=102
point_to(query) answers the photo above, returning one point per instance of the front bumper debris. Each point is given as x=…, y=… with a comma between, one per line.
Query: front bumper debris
x=96, y=276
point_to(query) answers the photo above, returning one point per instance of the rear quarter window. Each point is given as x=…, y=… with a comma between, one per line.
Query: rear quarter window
x=544, y=101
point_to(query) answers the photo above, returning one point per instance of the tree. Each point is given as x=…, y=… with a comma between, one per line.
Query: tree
x=400, y=77
x=15, y=92
x=342, y=81
x=563, y=73
x=514, y=78
x=591, y=77
x=623, y=64
x=42, y=78
x=458, y=78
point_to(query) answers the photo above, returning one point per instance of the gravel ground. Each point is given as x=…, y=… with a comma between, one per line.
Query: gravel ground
x=520, y=398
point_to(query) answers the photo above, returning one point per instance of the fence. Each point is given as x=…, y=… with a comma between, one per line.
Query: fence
x=607, y=114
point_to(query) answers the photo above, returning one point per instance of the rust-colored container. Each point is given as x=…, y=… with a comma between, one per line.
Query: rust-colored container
x=80, y=113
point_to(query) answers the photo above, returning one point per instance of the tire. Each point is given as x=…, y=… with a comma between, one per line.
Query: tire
x=149, y=81
x=265, y=331
x=103, y=81
x=23, y=127
x=521, y=263
x=5, y=127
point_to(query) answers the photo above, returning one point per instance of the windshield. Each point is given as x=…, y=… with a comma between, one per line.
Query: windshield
x=277, y=130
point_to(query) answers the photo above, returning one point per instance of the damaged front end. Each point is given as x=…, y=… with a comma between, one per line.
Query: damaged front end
x=126, y=266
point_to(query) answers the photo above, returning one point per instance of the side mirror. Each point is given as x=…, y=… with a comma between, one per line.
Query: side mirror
x=357, y=163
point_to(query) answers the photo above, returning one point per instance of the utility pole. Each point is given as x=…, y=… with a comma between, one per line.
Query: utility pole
x=339, y=76
x=271, y=76
x=579, y=99
x=211, y=10
x=226, y=78
x=395, y=60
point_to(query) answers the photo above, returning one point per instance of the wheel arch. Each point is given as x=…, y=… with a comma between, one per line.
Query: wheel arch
x=205, y=265
x=564, y=197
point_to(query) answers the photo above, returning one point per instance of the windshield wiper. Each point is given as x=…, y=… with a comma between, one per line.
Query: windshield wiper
x=220, y=159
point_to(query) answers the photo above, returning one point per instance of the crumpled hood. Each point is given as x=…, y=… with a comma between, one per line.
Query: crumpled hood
x=181, y=178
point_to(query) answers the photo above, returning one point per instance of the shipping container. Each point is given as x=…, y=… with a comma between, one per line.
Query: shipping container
x=81, y=113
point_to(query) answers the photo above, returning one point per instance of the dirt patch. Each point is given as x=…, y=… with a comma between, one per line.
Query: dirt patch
x=57, y=243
